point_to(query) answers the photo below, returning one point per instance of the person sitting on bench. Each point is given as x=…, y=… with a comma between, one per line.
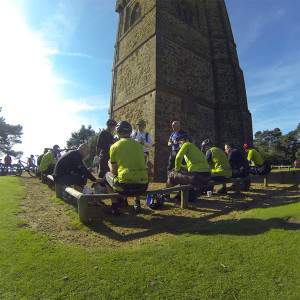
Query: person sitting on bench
x=128, y=174
x=70, y=169
x=239, y=165
x=218, y=162
x=196, y=171
x=259, y=165
x=49, y=160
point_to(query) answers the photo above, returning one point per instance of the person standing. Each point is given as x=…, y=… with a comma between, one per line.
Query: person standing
x=142, y=137
x=177, y=131
x=104, y=142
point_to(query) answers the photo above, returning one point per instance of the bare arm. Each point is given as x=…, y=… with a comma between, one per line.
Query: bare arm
x=113, y=168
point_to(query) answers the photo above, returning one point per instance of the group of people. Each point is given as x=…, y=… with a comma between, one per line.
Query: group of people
x=121, y=163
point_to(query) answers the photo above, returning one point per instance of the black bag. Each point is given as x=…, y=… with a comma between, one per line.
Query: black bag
x=157, y=201
x=264, y=169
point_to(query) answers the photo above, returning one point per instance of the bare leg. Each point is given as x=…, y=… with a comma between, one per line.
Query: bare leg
x=111, y=191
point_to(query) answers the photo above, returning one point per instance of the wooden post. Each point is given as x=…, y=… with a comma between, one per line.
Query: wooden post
x=265, y=181
x=238, y=186
x=184, y=198
x=58, y=190
x=83, y=209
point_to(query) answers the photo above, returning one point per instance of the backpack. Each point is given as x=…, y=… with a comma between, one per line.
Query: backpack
x=146, y=137
x=157, y=201
x=264, y=169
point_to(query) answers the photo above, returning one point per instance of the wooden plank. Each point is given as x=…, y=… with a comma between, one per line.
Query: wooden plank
x=73, y=192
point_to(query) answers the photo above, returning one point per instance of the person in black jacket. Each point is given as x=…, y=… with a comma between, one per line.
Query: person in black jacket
x=70, y=169
x=104, y=141
x=239, y=165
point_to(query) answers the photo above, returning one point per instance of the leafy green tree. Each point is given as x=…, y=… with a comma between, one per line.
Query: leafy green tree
x=267, y=142
x=81, y=136
x=290, y=145
x=92, y=143
x=278, y=148
x=10, y=135
x=298, y=156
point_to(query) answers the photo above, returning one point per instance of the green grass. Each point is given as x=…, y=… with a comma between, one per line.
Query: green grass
x=256, y=257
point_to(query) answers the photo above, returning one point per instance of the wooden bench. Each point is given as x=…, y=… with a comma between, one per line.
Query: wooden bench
x=83, y=199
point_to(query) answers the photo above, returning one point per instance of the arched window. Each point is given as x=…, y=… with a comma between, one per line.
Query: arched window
x=135, y=14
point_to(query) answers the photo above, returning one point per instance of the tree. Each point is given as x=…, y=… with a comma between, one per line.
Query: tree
x=80, y=137
x=10, y=135
x=278, y=148
x=92, y=143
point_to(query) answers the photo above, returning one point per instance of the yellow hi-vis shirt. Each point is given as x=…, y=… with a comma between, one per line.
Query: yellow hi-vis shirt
x=220, y=165
x=195, y=159
x=130, y=159
x=47, y=160
x=255, y=158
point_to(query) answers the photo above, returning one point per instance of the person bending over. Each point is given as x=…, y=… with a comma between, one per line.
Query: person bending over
x=70, y=169
x=259, y=165
x=239, y=165
x=128, y=175
x=218, y=162
x=49, y=160
x=196, y=171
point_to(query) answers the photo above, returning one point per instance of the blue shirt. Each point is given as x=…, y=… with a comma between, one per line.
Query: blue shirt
x=173, y=137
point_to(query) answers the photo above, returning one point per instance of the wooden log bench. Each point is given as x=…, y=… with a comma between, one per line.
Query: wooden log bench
x=83, y=199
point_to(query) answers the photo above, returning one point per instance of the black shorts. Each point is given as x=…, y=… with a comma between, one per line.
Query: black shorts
x=71, y=179
x=193, y=178
x=128, y=189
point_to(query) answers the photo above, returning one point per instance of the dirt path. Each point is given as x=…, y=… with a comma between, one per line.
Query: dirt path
x=56, y=219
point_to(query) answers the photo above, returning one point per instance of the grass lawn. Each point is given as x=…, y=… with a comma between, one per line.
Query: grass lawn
x=254, y=257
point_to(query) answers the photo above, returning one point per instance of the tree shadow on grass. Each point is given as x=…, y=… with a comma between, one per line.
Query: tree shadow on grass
x=210, y=209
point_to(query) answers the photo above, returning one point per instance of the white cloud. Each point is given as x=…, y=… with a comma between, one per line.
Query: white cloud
x=273, y=79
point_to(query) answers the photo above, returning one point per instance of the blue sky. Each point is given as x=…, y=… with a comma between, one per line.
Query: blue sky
x=56, y=59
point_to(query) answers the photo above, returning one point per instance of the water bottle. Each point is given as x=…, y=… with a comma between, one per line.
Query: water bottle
x=148, y=200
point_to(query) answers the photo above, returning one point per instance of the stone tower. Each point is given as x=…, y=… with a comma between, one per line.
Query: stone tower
x=177, y=60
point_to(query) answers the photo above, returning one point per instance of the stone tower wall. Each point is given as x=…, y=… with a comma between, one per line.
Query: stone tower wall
x=177, y=60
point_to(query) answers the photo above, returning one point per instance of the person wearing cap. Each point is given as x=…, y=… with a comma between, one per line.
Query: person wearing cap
x=142, y=137
x=49, y=160
x=104, y=141
x=70, y=169
x=258, y=164
x=196, y=171
x=177, y=131
x=128, y=175
x=218, y=163
x=239, y=165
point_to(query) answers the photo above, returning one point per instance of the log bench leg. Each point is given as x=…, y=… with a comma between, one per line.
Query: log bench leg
x=83, y=209
x=59, y=191
x=265, y=181
x=184, y=198
x=238, y=186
